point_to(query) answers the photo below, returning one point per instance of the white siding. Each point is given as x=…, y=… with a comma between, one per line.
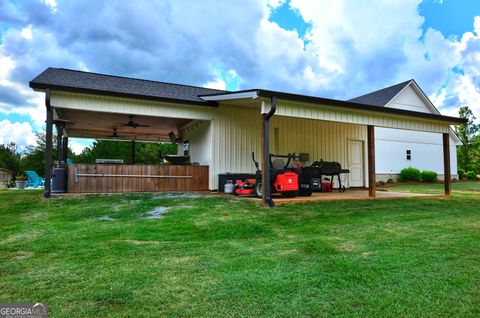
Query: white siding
x=199, y=135
x=426, y=151
x=426, y=148
x=236, y=133
x=408, y=99
x=346, y=115
x=285, y=108
x=100, y=103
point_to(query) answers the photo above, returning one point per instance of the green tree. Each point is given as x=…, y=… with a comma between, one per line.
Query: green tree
x=34, y=158
x=466, y=132
x=10, y=158
x=475, y=153
x=145, y=152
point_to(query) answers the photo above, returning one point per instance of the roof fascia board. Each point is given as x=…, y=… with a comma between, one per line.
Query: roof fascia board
x=250, y=94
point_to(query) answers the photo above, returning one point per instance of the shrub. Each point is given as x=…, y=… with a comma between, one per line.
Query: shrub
x=470, y=175
x=390, y=180
x=381, y=183
x=461, y=173
x=429, y=176
x=410, y=174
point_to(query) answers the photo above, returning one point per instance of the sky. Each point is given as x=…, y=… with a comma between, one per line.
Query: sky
x=335, y=49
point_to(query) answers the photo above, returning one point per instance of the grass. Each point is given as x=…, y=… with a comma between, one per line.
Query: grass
x=223, y=257
x=460, y=188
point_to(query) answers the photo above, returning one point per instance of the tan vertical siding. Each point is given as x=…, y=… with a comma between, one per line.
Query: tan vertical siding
x=240, y=134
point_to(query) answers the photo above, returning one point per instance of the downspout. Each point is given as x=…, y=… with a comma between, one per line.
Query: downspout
x=266, y=191
x=48, y=145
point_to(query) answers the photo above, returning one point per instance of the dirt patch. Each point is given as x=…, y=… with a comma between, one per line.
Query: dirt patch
x=347, y=246
x=106, y=218
x=178, y=195
x=26, y=236
x=21, y=255
x=140, y=242
x=157, y=213
x=35, y=216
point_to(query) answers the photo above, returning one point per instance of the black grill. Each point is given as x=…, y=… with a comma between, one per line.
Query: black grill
x=320, y=169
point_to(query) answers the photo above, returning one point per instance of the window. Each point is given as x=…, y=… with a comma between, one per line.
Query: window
x=409, y=154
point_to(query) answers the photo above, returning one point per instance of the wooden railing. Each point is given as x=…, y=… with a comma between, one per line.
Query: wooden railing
x=102, y=178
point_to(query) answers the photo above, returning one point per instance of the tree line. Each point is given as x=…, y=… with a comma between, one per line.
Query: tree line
x=34, y=156
x=468, y=154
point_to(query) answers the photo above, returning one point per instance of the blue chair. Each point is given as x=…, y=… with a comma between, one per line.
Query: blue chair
x=34, y=179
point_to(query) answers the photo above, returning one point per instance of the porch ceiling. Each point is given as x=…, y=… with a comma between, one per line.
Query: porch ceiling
x=101, y=125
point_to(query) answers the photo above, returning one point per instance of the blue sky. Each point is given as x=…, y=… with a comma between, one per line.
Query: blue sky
x=336, y=49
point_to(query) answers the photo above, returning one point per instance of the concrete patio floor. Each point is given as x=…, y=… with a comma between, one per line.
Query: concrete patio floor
x=350, y=194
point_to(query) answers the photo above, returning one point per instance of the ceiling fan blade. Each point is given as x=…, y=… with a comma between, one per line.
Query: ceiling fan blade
x=140, y=125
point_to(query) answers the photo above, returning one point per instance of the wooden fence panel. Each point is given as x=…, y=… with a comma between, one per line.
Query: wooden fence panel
x=85, y=178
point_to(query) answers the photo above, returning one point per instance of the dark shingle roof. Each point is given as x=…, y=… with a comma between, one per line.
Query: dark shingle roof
x=380, y=97
x=70, y=80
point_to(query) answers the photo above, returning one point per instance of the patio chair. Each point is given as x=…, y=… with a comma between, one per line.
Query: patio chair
x=34, y=179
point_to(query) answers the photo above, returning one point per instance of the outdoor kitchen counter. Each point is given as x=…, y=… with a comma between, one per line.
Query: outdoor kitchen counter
x=116, y=178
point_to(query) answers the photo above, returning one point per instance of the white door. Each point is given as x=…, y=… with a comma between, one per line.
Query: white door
x=355, y=163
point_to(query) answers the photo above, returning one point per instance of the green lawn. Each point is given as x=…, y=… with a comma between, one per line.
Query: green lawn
x=223, y=257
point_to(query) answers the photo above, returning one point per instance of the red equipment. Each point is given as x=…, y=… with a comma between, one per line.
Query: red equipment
x=283, y=178
x=246, y=187
x=287, y=181
x=327, y=187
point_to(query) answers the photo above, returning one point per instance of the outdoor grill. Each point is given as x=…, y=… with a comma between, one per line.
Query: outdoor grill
x=320, y=169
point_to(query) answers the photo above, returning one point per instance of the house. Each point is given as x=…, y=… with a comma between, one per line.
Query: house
x=222, y=129
x=5, y=176
x=397, y=149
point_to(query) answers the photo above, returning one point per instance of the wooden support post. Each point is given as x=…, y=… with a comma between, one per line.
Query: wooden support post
x=446, y=164
x=372, y=184
x=48, y=146
x=59, y=145
x=65, y=149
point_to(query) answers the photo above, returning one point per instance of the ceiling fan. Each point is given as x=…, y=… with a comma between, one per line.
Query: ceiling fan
x=131, y=123
x=115, y=135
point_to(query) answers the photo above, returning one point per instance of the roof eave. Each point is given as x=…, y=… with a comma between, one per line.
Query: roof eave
x=246, y=94
x=43, y=87
x=359, y=106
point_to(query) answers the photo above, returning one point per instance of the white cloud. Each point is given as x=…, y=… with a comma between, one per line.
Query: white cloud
x=462, y=87
x=216, y=84
x=78, y=145
x=19, y=133
x=51, y=3
x=27, y=33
